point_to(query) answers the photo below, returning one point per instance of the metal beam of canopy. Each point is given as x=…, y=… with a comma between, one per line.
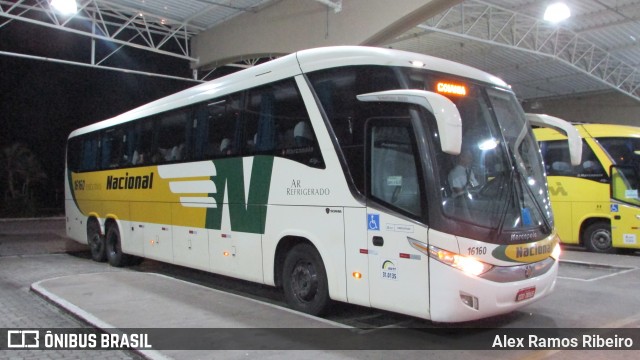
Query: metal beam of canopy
x=494, y=26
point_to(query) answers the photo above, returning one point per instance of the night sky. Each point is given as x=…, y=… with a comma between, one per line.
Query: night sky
x=42, y=102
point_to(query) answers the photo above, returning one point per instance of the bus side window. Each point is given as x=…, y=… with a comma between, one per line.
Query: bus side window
x=223, y=127
x=393, y=166
x=277, y=123
x=113, y=146
x=336, y=90
x=261, y=131
x=200, y=131
x=172, y=137
x=89, y=155
x=143, y=138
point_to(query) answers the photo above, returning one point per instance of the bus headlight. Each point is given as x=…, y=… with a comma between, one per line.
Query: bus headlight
x=466, y=264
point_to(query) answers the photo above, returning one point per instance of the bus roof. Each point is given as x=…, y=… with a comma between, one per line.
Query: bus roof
x=590, y=131
x=611, y=130
x=290, y=65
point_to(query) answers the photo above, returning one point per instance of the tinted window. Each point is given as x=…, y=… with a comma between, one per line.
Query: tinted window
x=337, y=90
x=557, y=161
x=172, y=142
x=623, y=151
x=268, y=120
x=393, y=165
x=276, y=122
x=217, y=124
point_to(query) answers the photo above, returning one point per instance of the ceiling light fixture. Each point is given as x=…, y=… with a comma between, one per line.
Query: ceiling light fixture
x=65, y=7
x=557, y=12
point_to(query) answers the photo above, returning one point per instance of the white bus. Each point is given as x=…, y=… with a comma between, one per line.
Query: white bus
x=326, y=172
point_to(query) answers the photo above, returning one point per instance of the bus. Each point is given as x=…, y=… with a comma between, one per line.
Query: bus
x=326, y=173
x=595, y=202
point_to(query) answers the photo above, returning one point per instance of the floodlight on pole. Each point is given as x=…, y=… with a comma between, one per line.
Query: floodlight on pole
x=557, y=12
x=65, y=7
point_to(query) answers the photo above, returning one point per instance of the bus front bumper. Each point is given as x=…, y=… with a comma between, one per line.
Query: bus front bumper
x=457, y=297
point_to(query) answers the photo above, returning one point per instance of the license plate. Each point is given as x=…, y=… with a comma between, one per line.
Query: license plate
x=524, y=294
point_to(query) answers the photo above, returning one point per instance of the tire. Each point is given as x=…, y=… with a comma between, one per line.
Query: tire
x=96, y=242
x=597, y=237
x=115, y=256
x=305, y=280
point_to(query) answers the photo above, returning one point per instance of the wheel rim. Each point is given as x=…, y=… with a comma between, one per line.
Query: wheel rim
x=304, y=281
x=601, y=239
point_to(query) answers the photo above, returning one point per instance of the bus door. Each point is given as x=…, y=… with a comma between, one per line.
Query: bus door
x=625, y=207
x=398, y=274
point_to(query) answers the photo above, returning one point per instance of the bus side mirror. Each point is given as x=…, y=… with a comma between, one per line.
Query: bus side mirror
x=446, y=113
x=575, y=140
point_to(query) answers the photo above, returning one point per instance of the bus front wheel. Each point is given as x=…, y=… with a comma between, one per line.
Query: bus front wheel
x=305, y=280
x=597, y=237
x=96, y=242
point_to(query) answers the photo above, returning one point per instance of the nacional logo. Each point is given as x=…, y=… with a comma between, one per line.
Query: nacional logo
x=127, y=182
x=525, y=253
x=239, y=186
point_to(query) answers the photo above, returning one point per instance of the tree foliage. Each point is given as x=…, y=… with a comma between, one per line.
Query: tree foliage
x=21, y=172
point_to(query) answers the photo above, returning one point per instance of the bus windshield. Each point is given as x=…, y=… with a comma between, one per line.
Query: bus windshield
x=498, y=179
x=497, y=183
x=622, y=150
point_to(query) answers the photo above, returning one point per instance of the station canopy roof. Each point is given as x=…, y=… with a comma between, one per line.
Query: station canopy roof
x=597, y=49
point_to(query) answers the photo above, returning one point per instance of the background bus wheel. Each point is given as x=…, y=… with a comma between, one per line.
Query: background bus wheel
x=305, y=280
x=114, y=249
x=597, y=237
x=96, y=242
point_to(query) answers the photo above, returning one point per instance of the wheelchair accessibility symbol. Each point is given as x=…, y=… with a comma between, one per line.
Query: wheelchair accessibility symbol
x=373, y=222
x=614, y=207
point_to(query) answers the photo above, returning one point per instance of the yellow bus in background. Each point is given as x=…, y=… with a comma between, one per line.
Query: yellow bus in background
x=595, y=203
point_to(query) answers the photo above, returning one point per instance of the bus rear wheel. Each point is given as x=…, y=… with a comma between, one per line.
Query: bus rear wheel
x=115, y=256
x=96, y=242
x=597, y=237
x=305, y=280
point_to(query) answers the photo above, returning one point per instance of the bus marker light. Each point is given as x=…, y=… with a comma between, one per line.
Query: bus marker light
x=410, y=256
x=357, y=275
x=226, y=253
